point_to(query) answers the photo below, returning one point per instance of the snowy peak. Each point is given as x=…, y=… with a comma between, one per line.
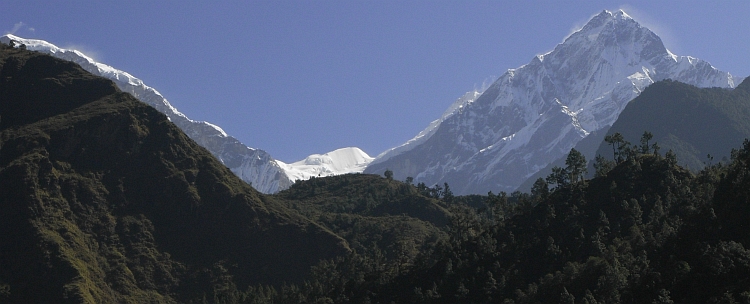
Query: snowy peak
x=618, y=14
x=606, y=17
x=532, y=115
x=341, y=161
x=620, y=31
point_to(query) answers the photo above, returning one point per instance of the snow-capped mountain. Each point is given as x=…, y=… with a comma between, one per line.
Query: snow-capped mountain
x=341, y=161
x=534, y=114
x=254, y=166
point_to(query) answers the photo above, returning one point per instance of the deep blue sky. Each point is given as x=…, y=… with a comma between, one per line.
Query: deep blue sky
x=302, y=77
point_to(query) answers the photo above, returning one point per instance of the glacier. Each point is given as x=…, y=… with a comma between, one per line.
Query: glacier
x=534, y=114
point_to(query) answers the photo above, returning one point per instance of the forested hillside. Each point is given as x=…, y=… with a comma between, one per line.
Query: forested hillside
x=104, y=200
x=701, y=125
x=645, y=230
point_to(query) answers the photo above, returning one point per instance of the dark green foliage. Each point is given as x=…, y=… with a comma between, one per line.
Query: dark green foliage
x=540, y=190
x=103, y=200
x=602, y=166
x=619, y=145
x=108, y=202
x=576, y=166
x=364, y=195
x=447, y=193
x=376, y=216
x=645, y=138
x=388, y=174
x=574, y=171
x=690, y=121
x=647, y=231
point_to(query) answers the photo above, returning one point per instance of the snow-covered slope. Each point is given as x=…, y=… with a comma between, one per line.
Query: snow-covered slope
x=423, y=136
x=254, y=166
x=536, y=113
x=341, y=161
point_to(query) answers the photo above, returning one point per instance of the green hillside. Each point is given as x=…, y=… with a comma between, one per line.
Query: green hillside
x=379, y=217
x=646, y=231
x=103, y=200
x=690, y=121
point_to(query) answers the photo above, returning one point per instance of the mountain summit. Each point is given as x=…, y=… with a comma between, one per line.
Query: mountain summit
x=534, y=114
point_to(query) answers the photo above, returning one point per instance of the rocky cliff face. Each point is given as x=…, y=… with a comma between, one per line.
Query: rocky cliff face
x=536, y=113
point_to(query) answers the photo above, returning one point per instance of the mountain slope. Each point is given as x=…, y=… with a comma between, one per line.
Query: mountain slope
x=690, y=121
x=104, y=200
x=254, y=166
x=535, y=114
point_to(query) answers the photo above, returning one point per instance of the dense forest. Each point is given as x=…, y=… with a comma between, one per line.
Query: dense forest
x=104, y=200
x=644, y=230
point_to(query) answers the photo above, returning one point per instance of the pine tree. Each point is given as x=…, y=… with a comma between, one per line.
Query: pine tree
x=647, y=136
x=447, y=193
x=388, y=174
x=576, y=166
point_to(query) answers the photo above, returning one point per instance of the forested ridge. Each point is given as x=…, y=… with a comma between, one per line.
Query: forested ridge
x=644, y=230
x=104, y=200
x=692, y=122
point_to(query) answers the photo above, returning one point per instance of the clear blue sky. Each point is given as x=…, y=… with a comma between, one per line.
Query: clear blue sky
x=302, y=77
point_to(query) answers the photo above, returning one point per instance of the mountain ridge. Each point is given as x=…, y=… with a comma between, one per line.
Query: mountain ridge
x=105, y=200
x=254, y=166
x=536, y=113
x=691, y=122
